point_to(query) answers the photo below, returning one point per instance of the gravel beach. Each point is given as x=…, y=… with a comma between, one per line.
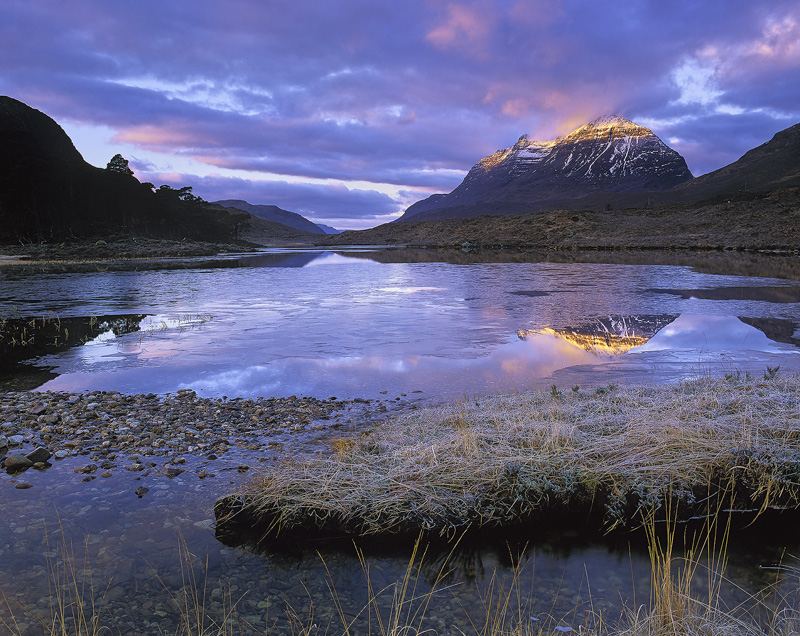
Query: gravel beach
x=147, y=434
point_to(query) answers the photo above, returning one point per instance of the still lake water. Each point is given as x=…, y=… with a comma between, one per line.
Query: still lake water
x=351, y=324
x=331, y=324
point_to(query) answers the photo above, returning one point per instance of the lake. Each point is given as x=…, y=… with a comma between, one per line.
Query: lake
x=400, y=329
x=341, y=324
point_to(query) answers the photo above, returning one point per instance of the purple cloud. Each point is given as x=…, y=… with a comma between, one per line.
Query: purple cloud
x=407, y=95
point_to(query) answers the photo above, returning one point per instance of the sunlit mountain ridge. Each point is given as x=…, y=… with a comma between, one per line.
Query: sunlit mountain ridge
x=608, y=155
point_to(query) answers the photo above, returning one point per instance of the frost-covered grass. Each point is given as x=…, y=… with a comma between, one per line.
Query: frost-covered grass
x=613, y=451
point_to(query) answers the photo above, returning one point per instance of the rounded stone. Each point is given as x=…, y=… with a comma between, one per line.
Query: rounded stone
x=39, y=455
x=17, y=462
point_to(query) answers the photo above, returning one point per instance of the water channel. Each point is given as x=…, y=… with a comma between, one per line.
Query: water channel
x=397, y=330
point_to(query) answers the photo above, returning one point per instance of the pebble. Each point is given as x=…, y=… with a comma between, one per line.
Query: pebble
x=150, y=430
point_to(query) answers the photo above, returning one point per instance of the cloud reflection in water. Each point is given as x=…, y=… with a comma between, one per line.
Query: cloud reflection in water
x=161, y=364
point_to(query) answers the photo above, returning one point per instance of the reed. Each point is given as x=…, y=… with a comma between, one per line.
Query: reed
x=190, y=601
x=76, y=605
x=680, y=604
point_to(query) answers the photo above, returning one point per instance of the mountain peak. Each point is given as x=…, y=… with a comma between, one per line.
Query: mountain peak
x=609, y=121
x=609, y=127
x=610, y=154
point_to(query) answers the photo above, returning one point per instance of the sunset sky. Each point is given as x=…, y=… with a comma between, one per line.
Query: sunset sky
x=348, y=111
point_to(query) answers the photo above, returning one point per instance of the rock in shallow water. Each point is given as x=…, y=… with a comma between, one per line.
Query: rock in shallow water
x=17, y=462
x=39, y=455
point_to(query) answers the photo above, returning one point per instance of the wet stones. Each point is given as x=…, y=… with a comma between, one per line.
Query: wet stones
x=37, y=409
x=159, y=430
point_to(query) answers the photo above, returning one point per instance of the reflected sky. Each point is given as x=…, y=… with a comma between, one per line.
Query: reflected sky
x=165, y=362
x=326, y=324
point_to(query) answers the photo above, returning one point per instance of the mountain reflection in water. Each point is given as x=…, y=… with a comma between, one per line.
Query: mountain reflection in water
x=609, y=336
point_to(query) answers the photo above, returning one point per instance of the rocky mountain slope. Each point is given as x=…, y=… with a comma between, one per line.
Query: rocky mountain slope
x=609, y=155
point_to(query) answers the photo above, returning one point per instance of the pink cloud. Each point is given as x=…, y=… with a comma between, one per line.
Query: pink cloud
x=779, y=44
x=466, y=28
x=156, y=137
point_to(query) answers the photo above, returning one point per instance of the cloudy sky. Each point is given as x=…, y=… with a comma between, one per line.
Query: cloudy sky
x=348, y=111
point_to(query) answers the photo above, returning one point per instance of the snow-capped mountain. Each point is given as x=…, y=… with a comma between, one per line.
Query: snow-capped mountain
x=608, y=155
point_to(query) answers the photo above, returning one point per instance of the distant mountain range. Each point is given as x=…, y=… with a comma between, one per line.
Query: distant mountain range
x=277, y=215
x=610, y=183
x=609, y=163
x=515, y=199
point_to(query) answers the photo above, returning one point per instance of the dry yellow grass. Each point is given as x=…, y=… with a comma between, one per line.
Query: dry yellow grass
x=612, y=452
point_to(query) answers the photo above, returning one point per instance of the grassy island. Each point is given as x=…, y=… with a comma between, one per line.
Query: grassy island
x=606, y=455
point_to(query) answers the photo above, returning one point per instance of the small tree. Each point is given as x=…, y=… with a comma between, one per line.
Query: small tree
x=119, y=164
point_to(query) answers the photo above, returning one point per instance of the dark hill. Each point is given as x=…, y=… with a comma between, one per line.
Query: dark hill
x=49, y=193
x=764, y=222
x=262, y=232
x=275, y=214
x=771, y=166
